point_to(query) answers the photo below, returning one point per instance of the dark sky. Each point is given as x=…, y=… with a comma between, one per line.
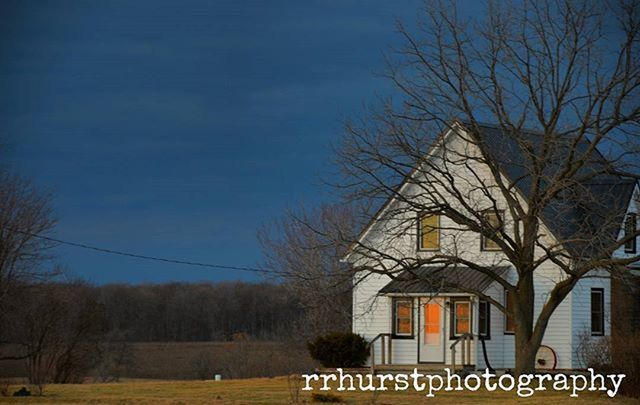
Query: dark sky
x=176, y=128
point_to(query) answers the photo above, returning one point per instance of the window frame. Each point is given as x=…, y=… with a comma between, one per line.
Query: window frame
x=630, y=246
x=453, y=316
x=483, y=239
x=506, y=317
x=394, y=319
x=487, y=318
x=599, y=291
x=419, y=233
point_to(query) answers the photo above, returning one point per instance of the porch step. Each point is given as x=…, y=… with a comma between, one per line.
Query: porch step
x=400, y=368
x=410, y=367
x=431, y=368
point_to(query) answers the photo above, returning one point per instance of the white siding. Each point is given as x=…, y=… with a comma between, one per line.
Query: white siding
x=581, y=322
x=501, y=346
x=558, y=333
x=499, y=343
x=372, y=316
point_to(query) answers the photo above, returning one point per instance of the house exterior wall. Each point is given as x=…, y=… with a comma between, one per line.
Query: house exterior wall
x=500, y=346
x=372, y=313
x=372, y=316
x=581, y=315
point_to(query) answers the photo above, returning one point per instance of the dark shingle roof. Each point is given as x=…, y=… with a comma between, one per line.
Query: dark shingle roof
x=444, y=279
x=587, y=218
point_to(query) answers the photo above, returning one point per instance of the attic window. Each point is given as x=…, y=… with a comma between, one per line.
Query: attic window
x=429, y=232
x=493, y=218
x=630, y=225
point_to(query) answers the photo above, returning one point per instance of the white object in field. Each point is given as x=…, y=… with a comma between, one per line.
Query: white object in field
x=546, y=358
x=217, y=377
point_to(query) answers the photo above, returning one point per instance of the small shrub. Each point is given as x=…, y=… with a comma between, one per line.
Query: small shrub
x=339, y=350
x=317, y=397
x=594, y=353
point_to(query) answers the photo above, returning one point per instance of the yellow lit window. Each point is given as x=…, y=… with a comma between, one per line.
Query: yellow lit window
x=429, y=232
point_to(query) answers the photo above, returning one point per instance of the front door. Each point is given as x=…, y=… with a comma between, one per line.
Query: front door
x=432, y=330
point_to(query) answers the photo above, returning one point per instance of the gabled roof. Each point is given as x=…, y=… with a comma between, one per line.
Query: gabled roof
x=590, y=215
x=441, y=279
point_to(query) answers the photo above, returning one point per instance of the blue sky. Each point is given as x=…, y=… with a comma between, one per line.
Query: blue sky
x=176, y=128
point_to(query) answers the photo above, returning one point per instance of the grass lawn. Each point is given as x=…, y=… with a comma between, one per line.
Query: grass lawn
x=272, y=391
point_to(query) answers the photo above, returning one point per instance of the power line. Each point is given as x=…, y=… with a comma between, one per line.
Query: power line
x=144, y=257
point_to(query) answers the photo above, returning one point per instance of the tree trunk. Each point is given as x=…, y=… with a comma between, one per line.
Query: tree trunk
x=523, y=301
x=525, y=357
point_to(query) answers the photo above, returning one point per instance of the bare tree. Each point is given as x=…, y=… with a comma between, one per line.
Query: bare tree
x=304, y=249
x=558, y=81
x=24, y=212
x=58, y=328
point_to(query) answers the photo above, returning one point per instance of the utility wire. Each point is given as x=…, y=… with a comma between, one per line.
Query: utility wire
x=144, y=257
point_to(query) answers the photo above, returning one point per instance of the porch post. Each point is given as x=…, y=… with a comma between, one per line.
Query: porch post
x=373, y=358
x=453, y=358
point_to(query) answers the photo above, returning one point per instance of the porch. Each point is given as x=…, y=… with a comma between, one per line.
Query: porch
x=432, y=323
x=460, y=356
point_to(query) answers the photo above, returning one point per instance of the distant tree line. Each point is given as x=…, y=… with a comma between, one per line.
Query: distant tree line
x=178, y=312
x=173, y=312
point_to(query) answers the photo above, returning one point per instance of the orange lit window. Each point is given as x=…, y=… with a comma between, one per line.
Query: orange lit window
x=462, y=317
x=403, y=322
x=429, y=232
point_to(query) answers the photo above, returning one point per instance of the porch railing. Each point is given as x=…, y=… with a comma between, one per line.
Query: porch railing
x=386, y=342
x=465, y=341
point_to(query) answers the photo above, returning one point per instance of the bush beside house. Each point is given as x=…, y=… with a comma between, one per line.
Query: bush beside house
x=339, y=350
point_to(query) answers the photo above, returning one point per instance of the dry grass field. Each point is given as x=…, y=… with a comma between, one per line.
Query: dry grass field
x=200, y=360
x=271, y=391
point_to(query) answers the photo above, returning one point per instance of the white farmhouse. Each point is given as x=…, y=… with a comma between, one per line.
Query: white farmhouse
x=421, y=319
